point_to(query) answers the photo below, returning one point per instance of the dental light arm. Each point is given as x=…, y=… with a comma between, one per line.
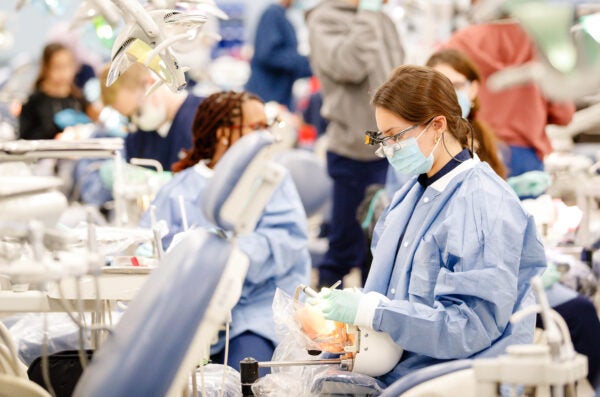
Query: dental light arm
x=570, y=56
x=132, y=9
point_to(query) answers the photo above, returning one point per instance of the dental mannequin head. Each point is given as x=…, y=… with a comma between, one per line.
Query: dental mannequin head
x=422, y=97
x=220, y=121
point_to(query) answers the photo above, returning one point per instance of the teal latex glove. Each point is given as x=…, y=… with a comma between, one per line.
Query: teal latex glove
x=145, y=250
x=551, y=275
x=132, y=174
x=530, y=184
x=370, y=5
x=339, y=305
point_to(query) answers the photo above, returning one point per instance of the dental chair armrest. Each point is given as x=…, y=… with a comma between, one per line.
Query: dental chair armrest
x=418, y=377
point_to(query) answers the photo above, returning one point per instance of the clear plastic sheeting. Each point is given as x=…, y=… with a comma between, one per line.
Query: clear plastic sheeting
x=342, y=383
x=114, y=240
x=306, y=325
x=28, y=334
x=294, y=345
x=219, y=381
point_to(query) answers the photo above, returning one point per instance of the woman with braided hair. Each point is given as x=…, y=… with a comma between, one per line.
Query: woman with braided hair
x=277, y=249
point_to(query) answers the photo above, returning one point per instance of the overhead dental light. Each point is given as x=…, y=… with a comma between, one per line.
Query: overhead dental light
x=206, y=6
x=550, y=27
x=570, y=56
x=147, y=38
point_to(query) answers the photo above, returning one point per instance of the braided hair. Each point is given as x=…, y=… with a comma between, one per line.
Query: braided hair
x=220, y=110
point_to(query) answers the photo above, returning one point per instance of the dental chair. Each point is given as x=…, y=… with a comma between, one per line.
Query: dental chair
x=455, y=378
x=168, y=328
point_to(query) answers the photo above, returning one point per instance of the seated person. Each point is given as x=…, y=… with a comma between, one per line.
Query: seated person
x=54, y=92
x=164, y=126
x=455, y=250
x=119, y=100
x=465, y=77
x=277, y=249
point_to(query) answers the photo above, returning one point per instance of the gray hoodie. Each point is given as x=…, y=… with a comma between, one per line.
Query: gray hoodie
x=352, y=52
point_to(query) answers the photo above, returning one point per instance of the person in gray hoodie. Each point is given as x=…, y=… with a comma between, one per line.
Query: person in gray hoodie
x=353, y=48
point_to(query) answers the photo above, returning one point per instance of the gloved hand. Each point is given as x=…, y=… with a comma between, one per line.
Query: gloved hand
x=70, y=117
x=370, y=5
x=530, y=184
x=145, y=250
x=551, y=275
x=339, y=305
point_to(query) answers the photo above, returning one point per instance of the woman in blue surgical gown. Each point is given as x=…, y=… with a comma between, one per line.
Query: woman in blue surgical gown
x=454, y=252
x=277, y=249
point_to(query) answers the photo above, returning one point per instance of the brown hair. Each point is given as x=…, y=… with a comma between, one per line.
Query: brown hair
x=49, y=51
x=135, y=77
x=483, y=134
x=223, y=109
x=420, y=93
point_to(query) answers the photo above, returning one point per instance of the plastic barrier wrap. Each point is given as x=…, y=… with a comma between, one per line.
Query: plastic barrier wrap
x=213, y=380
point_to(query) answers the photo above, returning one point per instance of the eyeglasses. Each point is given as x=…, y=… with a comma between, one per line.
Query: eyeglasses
x=378, y=137
x=261, y=125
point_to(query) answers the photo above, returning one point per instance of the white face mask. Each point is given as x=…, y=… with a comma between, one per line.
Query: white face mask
x=150, y=117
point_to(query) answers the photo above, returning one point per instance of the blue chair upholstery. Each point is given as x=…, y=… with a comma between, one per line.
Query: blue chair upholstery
x=144, y=354
x=227, y=173
x=418, y=377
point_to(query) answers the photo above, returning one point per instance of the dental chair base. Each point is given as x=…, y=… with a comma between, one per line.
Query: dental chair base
x=533, y=367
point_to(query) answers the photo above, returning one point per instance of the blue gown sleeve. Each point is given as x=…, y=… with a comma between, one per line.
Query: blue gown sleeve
x=275, y=48
x=465, y=277
x=280, y=239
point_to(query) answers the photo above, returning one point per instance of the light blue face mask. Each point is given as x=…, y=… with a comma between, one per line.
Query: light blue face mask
x=464, y=102
x=407, y=158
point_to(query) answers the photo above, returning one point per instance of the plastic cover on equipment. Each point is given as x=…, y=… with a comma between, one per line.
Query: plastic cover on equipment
x=213, y=380
x=294, y=345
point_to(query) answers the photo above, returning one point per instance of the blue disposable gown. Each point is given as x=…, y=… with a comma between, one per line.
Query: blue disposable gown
x=455, y=260
x=277, y=249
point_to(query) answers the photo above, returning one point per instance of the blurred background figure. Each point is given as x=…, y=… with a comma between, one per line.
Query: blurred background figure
x=161, y=121
x=467, y=82
x=43, y=115
x=353, y=48
x=519, y=115
x=164, y=126
x=276, y=63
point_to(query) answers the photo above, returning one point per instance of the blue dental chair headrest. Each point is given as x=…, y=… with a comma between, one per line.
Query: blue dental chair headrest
x=186, y=299
x=228, y=171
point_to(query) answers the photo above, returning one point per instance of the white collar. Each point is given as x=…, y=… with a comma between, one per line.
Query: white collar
x=164, y=129
x=441, y=184
x=202, y=169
